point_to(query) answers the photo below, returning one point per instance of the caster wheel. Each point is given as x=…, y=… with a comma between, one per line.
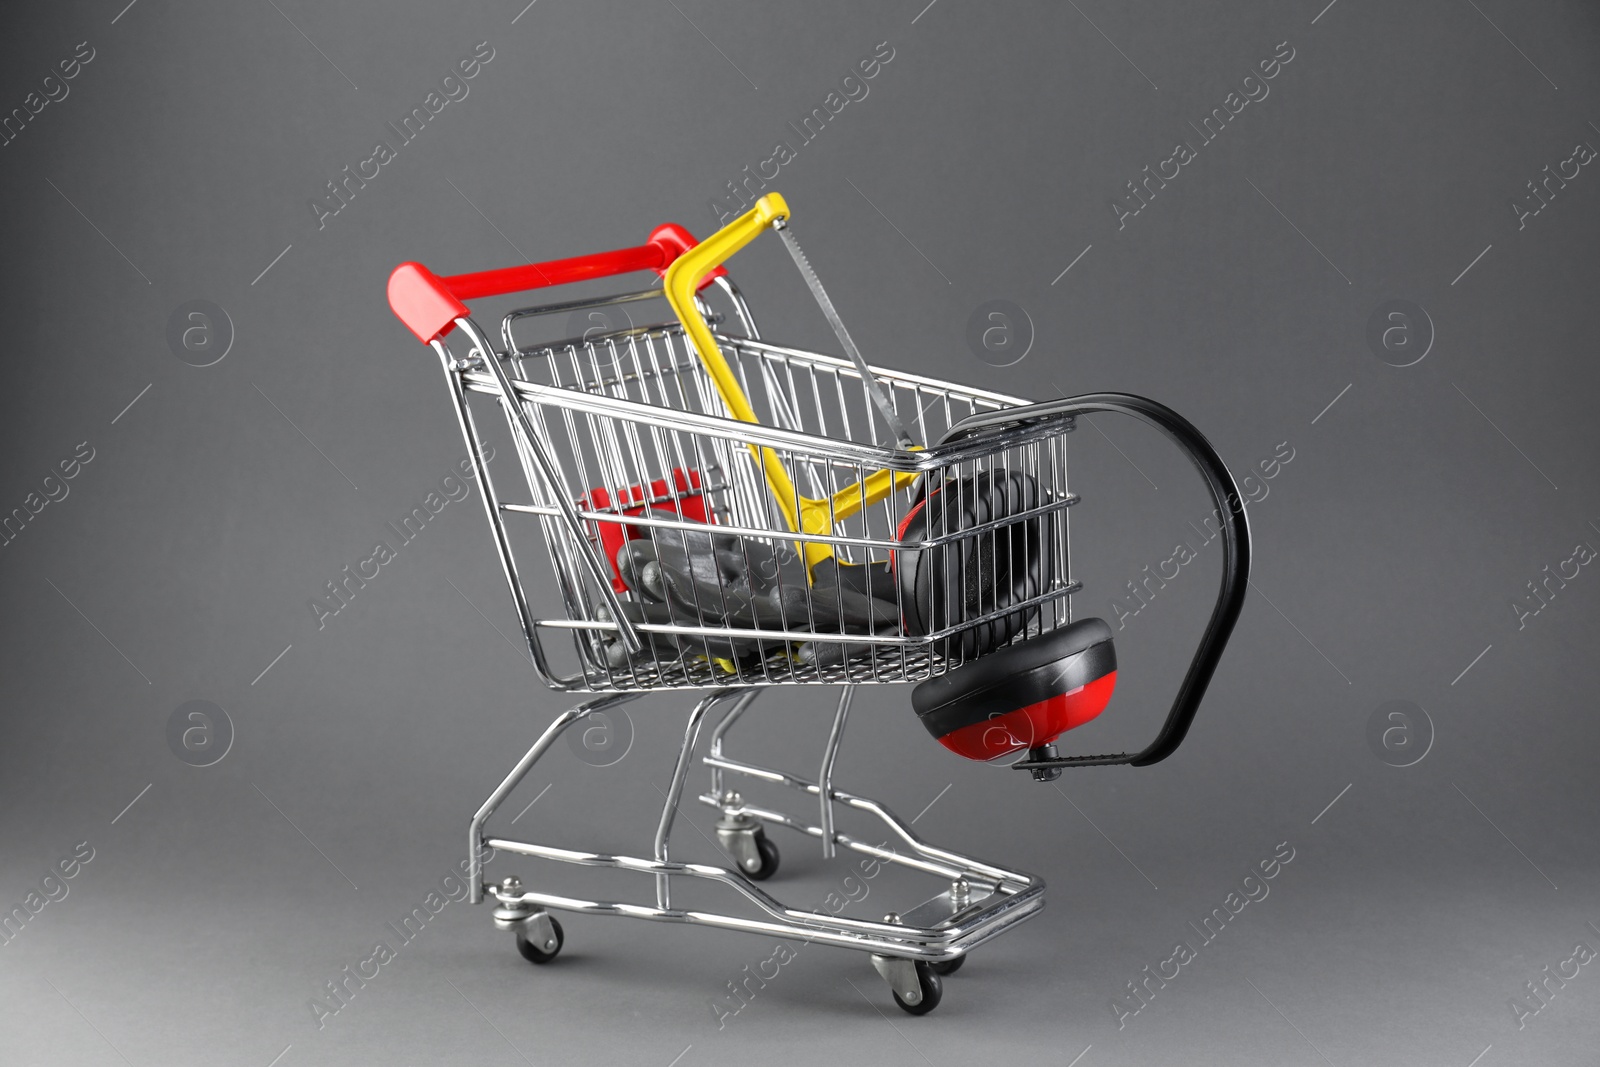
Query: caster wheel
x=535, y=953
x=769, y=859
x=932, y=991
x=948, y=966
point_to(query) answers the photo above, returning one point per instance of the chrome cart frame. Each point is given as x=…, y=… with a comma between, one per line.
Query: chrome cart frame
x=632, y=441
x=981, y=901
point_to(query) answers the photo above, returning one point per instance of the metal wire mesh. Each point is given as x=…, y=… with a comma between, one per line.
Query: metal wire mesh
x=678, y=504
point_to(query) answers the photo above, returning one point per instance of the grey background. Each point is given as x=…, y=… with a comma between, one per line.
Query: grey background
x=1389, y=550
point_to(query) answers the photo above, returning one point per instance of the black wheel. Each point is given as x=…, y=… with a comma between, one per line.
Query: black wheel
x=932, y=991
x=948, y=966
x=769, y=859
x=534, y=953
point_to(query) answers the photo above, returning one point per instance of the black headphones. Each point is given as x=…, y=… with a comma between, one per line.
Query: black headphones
x=1004, y=697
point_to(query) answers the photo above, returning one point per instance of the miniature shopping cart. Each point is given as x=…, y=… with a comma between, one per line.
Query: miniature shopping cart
x=726, y=514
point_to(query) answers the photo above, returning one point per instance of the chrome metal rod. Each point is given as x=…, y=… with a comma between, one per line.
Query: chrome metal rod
x=520, y=771
x=559, y=490
x=971, y=921
x=899, y=946
x=486, y=491
x=888, y=855
x=747, y=321
x=822, y=448
x=680, y=771
x=720, y=731
x=867, y=804
x=825, y=775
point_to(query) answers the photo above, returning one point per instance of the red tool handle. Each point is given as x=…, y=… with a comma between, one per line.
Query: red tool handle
x=429, y=305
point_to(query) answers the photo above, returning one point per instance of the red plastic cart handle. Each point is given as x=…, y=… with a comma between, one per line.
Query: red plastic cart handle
x=429, y=305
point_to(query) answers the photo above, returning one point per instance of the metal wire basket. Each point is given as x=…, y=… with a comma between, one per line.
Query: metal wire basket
x=720, y=511
x=645, y=445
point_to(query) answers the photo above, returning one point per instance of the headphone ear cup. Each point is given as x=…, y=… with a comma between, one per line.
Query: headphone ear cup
x=965, y=578
x=1023, y=695
x=1006, y=565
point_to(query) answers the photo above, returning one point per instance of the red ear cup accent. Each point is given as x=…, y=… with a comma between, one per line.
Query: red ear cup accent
x=1023, y=695
x=916, y=509
x=1037, y=724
